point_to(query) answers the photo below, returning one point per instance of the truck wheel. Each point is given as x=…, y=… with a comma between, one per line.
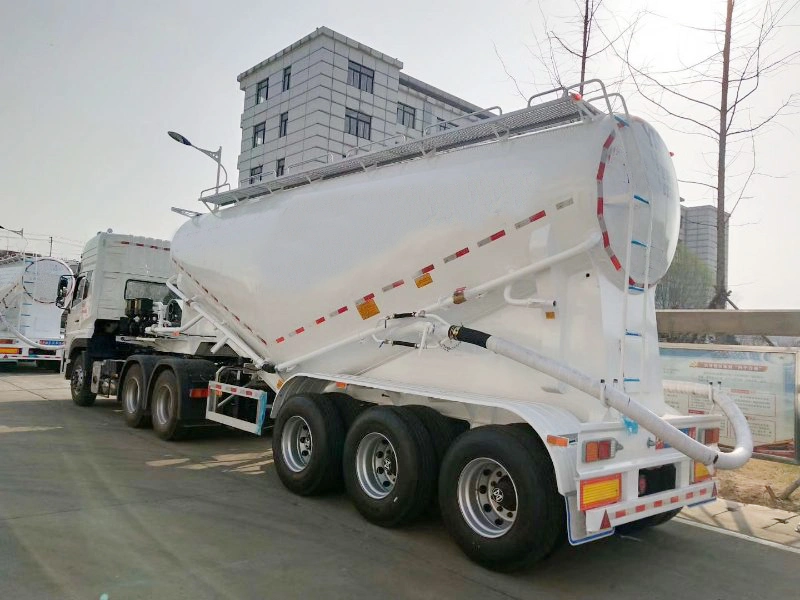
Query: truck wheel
x=389, y=466
x=498, y=497
x=349, y=408
x=133, y=398
x=307, y=444
x=80, y=381
x=164, y=405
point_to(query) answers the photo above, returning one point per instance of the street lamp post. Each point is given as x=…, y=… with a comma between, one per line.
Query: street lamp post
x=216, y=156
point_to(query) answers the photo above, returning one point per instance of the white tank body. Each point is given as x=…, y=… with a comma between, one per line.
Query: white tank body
x=289, y=272
x=28, y=288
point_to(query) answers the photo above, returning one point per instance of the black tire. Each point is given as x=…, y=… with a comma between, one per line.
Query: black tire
x=349, y=408
x=80, y=381
x=414, y=467
x=441, y=431
x=527, y=473
x=133, y=396
x=313, y=465
x=165, y=403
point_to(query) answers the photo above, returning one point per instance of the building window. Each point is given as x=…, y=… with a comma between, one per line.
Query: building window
x=258, y=134
x=262, y=91
x=357, y=124
x=406, y=115
x=287, y=78
x=360, y=76
x=255, y=174
x=280, y=167
x=284, y=124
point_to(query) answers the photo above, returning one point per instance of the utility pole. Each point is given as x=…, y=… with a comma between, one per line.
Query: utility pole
x=51, y=246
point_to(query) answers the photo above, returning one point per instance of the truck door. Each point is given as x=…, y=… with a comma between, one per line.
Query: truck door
x=80, y=308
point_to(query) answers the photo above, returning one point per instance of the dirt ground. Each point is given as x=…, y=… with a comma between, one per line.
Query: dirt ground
x=748, y=484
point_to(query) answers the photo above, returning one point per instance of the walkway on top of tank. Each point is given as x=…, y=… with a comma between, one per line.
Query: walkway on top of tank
x=566, y=109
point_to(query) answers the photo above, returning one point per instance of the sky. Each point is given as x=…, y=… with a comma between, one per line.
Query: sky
x=90, y=88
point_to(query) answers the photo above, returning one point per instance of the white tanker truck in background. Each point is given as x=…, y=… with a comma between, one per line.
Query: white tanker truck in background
x=467, y=318
x=30, y=320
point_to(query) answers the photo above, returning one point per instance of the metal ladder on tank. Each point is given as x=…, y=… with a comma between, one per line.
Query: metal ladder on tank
x=634, y=318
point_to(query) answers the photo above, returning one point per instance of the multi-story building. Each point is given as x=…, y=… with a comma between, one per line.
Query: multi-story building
x=327, y=94
x=699, y=234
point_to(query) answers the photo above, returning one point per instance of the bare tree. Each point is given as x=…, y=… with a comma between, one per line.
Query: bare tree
x=688, y=283
x=717, y=97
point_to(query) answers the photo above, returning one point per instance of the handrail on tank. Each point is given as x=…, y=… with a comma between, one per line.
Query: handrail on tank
x=458, y=118
x=540, y=94
x=602, y=85
x=382, y=142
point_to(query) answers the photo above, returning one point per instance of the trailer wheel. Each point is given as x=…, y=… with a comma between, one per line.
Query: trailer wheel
x=349, y=408
x=164, y=406
x=307, y=444
x=389, y=466
x=498, y=497
x=133, y=398
x=80, y=381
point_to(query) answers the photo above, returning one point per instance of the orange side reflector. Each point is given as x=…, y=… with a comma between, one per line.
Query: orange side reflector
x=549, y=315
x=198, y=393
x=10, y=350
x=557, y=440
x=700, y=472
x=423, y=280
x=600, y=491
x=341, y=385
x=280, y=383
x=368, y=308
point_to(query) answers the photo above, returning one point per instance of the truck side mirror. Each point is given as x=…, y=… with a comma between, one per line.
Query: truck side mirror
x=64, y=291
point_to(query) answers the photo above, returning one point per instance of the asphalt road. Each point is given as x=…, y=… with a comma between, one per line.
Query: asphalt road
x=90, y=509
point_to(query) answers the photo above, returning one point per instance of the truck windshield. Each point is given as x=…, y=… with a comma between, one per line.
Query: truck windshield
x=157, y=292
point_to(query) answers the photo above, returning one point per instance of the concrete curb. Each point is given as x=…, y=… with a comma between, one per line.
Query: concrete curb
x=771, y=524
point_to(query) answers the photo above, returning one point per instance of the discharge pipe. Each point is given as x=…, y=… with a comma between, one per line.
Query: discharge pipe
x=629, y=407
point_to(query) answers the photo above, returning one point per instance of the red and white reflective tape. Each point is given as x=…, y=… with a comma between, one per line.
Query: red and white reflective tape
x=532, y=219
x=141, y=245
x=601, y=170
x=423, y=271
x=492, y=238
x=338, y=311
x=660, y=503
x=391, y=286
x=455, y=255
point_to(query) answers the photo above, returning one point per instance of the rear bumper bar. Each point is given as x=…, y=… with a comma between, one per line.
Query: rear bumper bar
x=653, y=504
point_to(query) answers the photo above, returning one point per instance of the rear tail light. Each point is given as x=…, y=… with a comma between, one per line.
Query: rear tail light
x=10, y=350
x=700, y=472
x=600, y=450
x=711, y=436
x=600, y=491
x=7, y=341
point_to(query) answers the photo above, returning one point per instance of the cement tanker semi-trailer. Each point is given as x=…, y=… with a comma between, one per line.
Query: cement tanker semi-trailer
x=464, y=319
x=30, y=317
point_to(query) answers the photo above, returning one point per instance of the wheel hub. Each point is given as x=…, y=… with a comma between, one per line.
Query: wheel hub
x=297, y=443
x=376, y=465
x=487, y=497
